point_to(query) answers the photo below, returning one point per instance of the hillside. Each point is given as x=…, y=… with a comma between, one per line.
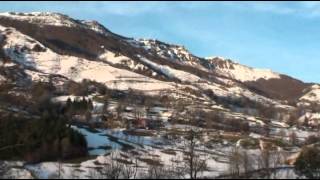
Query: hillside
x=139, y=98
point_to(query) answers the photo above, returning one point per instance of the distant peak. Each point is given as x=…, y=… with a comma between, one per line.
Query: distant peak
x=214, y=57
x=30, y=14
x=56, y=19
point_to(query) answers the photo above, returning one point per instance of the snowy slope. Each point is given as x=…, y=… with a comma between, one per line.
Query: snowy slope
x=313, y=95
x=27, y=51
x=114, y=59
x=20, y=48
x=172, y=73
x=240, y=72
x=177, y=63
x=79, y=69
x=233, y=91
x=151, y=66
x=183, y=81
x=174, y=53
x=181, y=55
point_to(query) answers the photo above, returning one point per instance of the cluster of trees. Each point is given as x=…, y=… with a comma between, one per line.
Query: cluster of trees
x=245, y=165
x=85, y=88
x=308, y=163
x=214, y=120
x=45, y=138
x=79, y=106
x=268, y=162
x=41, y=132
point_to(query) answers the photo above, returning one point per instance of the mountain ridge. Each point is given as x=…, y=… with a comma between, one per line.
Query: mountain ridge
x=142, y=100
x=69, y=38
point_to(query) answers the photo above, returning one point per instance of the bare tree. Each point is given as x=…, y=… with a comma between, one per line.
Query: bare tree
x=235, y=163
x=112, y=170
x=177, y=170
x=247, y=163
x=267, y=129
x=59, y=169
x=58, y=173
x=95, y=173
x=276, y=159
x=293, y=138
x=3, y=169
x=265, y=159
x=119, y=110
x=6, y=173
x=194, y=162
x=156, y=172
x=74, y=174
x=130, y=170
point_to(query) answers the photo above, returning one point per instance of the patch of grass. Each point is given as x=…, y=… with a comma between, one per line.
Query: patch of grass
x=279, y=142
x=136, y=153
x=139, y=133
x=215, y=140
x=249, y=143
x=169, y=151
x=79, y=160
x=97, y=163
x=105, y=147
x=124, y=156
x=232, y=138
x=151, y=162
x=79, y=170
x=91, y=148
x=92, y=130
x=99, y=99
x=123, y=161
x=125, y=146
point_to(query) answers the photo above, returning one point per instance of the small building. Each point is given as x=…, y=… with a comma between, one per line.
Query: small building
x=140, y=123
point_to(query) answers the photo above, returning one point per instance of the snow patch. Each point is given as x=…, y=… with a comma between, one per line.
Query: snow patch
x=2, y=78
x=172, y=73
x=240, y=72
x=313, y=95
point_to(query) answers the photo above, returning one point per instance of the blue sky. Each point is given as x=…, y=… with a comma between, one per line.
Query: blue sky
x=282, y=36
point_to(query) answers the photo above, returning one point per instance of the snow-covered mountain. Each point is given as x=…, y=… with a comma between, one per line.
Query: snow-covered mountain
x=47, y=44
x=240, y=72
x=130, y=82
x=56, y=19
x=312, y=94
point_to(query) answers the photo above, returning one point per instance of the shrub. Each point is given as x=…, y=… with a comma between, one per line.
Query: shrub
x=308, y=163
